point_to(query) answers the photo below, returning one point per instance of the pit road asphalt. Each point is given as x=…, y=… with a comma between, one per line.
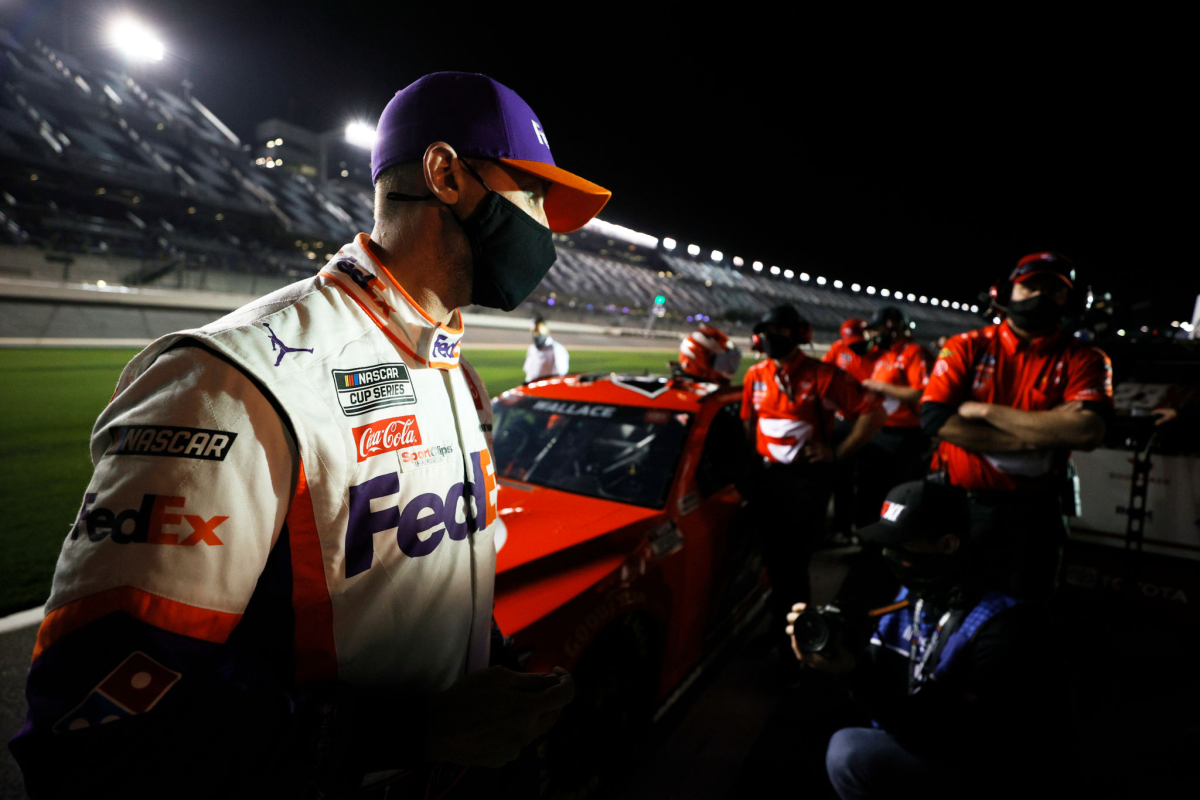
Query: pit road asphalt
x=696, y=752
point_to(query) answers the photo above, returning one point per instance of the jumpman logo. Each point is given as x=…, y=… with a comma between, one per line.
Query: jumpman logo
x=283, y=349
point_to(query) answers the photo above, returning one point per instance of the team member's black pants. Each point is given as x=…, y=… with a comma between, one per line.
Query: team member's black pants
x=894, y=456
x=789, y=502
x=1018, y=540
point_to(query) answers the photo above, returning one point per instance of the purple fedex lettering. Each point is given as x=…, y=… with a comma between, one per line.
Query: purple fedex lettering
x=443, y=347
x=428, y=512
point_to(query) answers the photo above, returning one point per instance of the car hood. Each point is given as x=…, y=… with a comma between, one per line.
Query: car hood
x=541, y=521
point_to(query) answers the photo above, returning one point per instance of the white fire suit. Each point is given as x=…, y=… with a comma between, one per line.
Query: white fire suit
x=295, y=497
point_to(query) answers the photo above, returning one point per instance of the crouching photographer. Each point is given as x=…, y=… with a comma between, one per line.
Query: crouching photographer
x=956, y=682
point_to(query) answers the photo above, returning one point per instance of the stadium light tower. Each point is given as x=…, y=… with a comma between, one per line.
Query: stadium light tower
x=360, y=134
x=135, y=41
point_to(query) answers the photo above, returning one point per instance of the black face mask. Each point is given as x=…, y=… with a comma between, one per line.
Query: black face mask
x=777, y=346
x=926, y=575
x=860, y=347
x=510, y=250
x=539, y=341
x=1037, y=313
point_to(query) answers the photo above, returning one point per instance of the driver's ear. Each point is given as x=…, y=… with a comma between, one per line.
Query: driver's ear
x=441, y=172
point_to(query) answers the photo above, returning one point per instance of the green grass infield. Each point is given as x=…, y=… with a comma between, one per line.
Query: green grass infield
x=50, y=399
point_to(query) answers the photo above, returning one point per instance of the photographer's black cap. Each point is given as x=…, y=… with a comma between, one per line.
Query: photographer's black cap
x=916, y=509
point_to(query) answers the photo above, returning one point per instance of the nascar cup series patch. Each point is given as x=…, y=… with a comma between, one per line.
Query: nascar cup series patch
x=371, y=388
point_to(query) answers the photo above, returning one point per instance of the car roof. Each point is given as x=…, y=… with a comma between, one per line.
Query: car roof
x=647, y=391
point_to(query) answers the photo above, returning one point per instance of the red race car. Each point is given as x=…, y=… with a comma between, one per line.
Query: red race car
x=625, y=555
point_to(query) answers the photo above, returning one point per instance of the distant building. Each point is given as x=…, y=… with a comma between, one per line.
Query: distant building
x=326, y=157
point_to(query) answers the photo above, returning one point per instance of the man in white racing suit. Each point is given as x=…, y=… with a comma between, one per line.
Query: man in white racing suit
x=279, y=581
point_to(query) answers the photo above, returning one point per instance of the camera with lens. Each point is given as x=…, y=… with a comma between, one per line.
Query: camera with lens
x=818, y=629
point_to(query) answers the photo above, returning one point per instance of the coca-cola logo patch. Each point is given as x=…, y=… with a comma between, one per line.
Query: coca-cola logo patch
x=386, y=436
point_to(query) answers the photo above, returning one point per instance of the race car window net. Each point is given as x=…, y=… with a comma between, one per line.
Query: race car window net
x=622, y=453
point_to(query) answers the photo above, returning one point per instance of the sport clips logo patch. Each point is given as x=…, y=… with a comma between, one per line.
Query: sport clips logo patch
x=385, y=436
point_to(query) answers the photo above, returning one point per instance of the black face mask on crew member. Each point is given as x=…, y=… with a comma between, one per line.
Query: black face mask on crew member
x=510, y=250
x=539, y=340
x=926, y=575
x=1035, y=314
x=777, y=346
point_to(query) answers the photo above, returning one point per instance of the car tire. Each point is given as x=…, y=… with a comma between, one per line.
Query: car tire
x=616, y=683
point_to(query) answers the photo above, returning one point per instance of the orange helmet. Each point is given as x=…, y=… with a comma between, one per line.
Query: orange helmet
x=853, y=328
x=708, y=354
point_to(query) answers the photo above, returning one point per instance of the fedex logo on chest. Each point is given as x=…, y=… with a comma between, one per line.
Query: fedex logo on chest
x=420, y=523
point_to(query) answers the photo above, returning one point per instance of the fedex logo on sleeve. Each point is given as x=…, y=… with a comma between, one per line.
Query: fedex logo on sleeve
x=146, y=524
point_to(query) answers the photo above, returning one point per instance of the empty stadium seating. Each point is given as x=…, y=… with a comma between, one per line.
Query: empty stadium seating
x=149, y=184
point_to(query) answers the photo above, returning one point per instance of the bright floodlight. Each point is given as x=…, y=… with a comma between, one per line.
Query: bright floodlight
x=758, y=265
x=910, y=297
x=838, y=284
x=974, y=309
x=923, y=299
x=856, y=287
x=804, y=276
x=787, y=273
x=360, y=134
x=717, y=255
x=693, y=249
x=954, y=304
x=737, y=261
x=774, y=270
x=135, y=41
x=885, y=292
x=870, y=290
x=945, y=304
x=669, y=243
x=821, y=280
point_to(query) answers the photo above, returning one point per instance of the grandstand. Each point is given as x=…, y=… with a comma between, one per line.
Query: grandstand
x=108, y=180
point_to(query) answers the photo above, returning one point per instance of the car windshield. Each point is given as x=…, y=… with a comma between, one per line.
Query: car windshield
x=620, y=453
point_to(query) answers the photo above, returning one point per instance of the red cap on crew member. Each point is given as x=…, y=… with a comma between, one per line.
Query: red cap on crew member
x=1045, y=261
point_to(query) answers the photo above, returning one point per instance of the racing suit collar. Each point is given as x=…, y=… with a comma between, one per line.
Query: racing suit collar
x=357, y=272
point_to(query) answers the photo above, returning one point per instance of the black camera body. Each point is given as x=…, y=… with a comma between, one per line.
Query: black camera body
x=818, y=629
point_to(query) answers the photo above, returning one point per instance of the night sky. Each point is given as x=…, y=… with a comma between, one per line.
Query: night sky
x=924, y=154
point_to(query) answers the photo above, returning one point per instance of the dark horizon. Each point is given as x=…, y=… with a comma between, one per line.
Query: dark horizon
x=904, y=154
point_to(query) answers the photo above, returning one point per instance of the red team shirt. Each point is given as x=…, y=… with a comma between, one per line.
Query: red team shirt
x=840, y=355
x=905, y=363
x=785, y=424
x=993, y=365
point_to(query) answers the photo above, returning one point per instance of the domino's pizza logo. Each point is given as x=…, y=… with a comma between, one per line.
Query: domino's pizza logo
x=134, y=687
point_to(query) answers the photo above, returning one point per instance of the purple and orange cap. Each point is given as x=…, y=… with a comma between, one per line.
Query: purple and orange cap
x=482, y=118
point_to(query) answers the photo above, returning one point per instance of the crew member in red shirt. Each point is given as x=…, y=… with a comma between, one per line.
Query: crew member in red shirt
x=852, y=352
x=787, y=405
x=1009, y=403
x=900, y=370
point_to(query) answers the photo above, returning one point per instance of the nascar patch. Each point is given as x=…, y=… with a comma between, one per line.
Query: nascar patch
x=371, y=388
x=170, y=440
